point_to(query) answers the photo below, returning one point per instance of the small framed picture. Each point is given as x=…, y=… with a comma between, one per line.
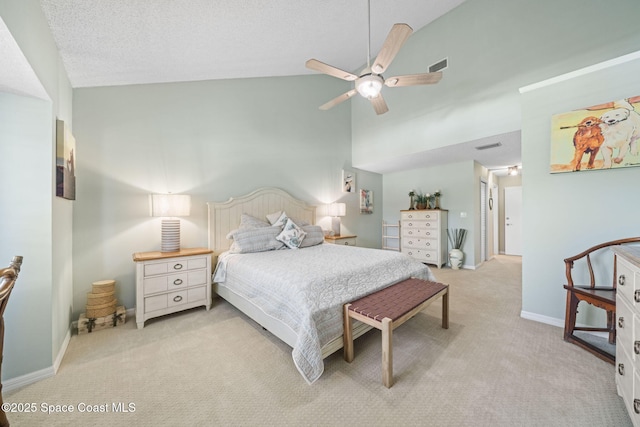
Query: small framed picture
x=348, y=181
x=366, y=201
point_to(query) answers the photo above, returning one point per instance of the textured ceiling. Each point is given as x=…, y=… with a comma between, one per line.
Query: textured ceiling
x=117, y=42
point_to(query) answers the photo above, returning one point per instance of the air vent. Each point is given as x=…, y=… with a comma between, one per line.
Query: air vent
x=486, y=147
x=439, y=66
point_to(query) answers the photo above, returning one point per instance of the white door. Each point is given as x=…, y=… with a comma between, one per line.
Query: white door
x=483, y=221
x=494, y=202
x=513, y=220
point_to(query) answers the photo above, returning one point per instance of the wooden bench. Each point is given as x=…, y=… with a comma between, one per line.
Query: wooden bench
x=389, y=308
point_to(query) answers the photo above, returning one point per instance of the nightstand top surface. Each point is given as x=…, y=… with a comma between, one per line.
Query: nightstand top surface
x=340, y=237
x=146, y=256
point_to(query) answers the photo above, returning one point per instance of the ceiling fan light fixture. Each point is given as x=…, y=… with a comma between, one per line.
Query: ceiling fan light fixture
x=369, y=86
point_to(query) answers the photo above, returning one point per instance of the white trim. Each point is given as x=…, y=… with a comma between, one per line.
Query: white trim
x=555, y=322
x=61, y=353
x=30, y=378
x=581, y=72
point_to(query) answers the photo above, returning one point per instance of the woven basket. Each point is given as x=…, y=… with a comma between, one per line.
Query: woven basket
x=101, y=310
x=103, y=286
x=94, y=299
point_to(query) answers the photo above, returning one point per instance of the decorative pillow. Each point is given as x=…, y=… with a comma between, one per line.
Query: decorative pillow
x=291, y=235
x=255, y=240
x=248, y=221
x=272, y=218
x=314, y=236
x=281, y=221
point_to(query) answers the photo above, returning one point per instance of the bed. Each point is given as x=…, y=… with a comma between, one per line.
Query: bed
x=296, y=294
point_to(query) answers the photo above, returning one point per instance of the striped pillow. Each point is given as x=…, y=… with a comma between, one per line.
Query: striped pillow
x=255, y=240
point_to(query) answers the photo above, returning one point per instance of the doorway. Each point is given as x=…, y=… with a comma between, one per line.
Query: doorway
x=513, y=221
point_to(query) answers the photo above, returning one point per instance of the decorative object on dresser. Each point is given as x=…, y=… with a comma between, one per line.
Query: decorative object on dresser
x=412, y=194
x=170, y=206
x=335, y=211
x=8, y=277
x=628, y=328
x=102, y=310
x=421, y=201
x=423, y=235
x=168, y=283
x=456, y=256
x=341, y=240
x=601, y=295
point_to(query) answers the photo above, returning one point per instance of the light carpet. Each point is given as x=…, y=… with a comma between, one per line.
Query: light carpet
x=199, y=368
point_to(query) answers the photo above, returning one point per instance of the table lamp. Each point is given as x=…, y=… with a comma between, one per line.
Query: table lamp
x=335, y=211
x=170, y=206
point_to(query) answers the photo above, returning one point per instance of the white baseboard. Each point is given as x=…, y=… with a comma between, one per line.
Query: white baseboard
x=34, y=377
x=553, y=321
x=30, y=378
x=63, y=350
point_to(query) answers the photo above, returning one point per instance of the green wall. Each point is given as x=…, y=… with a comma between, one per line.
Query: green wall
x=38, y=317
x=209, y=139
x=567, y=213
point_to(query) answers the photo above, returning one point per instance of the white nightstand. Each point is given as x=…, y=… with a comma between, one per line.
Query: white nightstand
x=341, y=240
x=167, y=282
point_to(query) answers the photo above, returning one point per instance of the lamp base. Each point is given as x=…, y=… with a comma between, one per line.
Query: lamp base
x=335, y=225
x=170, y=235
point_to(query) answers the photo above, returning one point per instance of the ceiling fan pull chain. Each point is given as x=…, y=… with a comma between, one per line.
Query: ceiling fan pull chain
x=369, y=38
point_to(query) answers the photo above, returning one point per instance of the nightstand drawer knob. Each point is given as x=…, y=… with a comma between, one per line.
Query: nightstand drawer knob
x=636, y=406
x=621, y=368
x=177, y=298
x=177, y=282
x=636, y=295
x=621, y=322
x=621, y=280
x=636, y=347
x=177, y=267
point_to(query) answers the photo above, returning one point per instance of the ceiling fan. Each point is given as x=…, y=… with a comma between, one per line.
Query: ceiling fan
x=370, y=80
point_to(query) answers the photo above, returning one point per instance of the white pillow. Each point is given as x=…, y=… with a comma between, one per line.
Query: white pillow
x=248, y=221
x=281, y=221
x=291, y=235
x=272, y=218
x=314, y=236
x=255, y=240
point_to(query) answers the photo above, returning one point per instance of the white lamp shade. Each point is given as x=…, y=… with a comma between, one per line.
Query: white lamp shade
x=337, y=209
x=168, y=205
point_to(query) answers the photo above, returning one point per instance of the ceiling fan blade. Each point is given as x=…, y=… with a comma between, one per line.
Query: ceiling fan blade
x=337, y=100
x=397, y=36
x=414, y=79
x=314, y=64
x=379, y=105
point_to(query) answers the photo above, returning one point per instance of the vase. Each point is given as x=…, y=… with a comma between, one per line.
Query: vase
x=421, y=206
x=455, y=258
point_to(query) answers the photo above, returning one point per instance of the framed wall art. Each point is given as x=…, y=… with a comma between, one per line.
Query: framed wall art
x=65, y=162
x=603, y=136
x=366, y=201
x=348, y=181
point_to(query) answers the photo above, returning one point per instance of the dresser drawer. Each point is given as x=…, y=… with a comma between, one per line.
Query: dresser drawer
x=624, y=323
x=174, y=281
x=420, y=243
x=424, y=255
x=426, y=215
x=420, y=232
x=153, y=269
x=626, y=281
x=624, y=373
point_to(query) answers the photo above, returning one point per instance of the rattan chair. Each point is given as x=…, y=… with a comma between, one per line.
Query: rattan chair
x=8, y=278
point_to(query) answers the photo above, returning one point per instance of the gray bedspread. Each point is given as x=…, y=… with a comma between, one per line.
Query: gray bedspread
x=306, y=288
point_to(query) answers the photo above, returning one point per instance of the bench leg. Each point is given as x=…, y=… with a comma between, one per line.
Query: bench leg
x=445, y=310
x=387, y=352
x=347, y=335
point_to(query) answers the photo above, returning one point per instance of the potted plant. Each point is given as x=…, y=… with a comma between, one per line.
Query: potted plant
x=421, y=201
x=456, y=237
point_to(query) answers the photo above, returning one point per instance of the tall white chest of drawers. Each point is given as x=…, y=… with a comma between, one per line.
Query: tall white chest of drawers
x=628, y=328
x=423, y=235
x=171, y=282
